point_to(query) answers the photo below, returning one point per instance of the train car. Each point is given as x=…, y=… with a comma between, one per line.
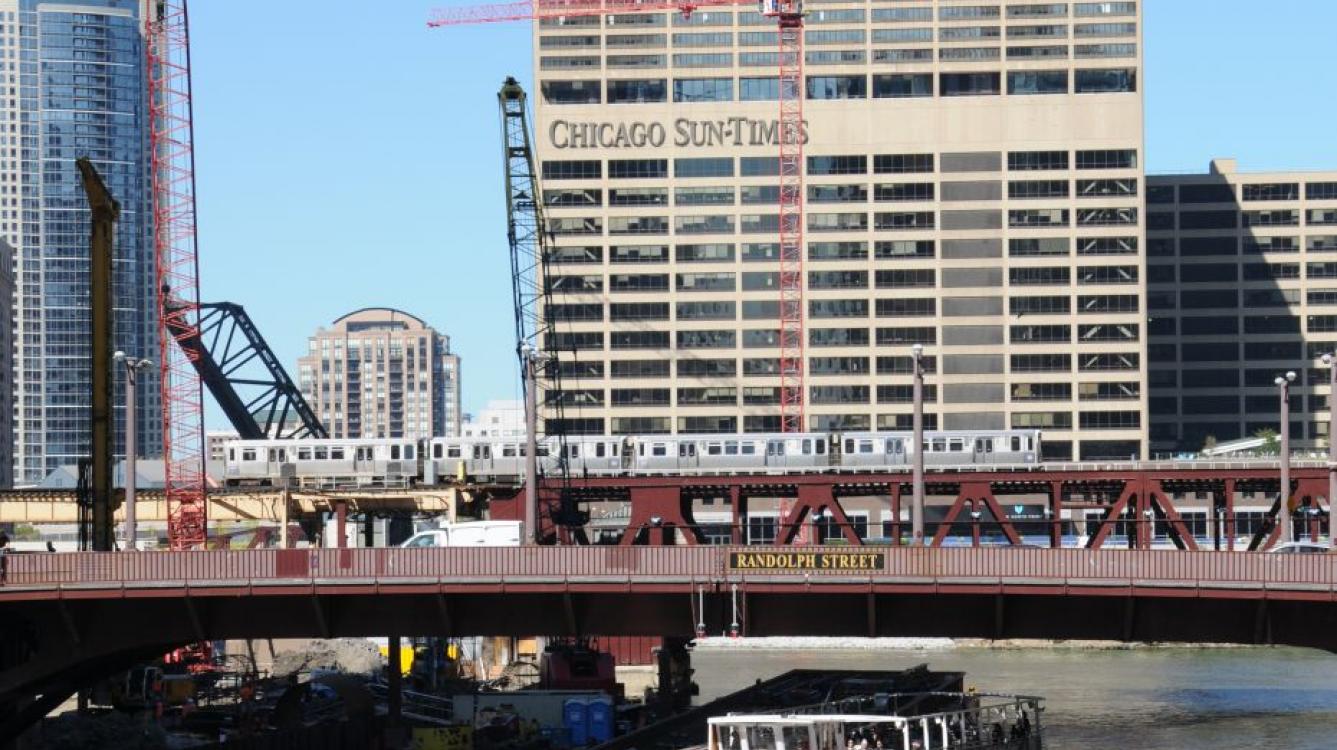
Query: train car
x=332, y=463
x=941, y=448
x=503, y=458
x=668, y=454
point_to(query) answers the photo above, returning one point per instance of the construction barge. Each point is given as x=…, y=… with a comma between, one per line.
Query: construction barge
x=911, y=709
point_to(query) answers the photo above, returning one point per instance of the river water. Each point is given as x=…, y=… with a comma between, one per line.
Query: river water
x=1152, y=699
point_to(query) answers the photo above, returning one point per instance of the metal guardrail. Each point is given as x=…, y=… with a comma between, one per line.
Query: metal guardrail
x=687, y=566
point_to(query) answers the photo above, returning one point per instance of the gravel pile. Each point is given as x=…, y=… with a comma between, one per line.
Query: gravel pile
x=109, y=731
x=346, y=655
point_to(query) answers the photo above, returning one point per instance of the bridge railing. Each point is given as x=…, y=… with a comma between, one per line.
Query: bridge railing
x=680, y=565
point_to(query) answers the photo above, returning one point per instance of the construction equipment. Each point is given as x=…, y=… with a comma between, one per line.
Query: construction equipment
x=228, y=352
x=105, y=212
x=175, y=245
x=531, y=288
x=788, y=15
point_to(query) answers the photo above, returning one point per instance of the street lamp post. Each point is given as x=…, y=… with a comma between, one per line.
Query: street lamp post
x=132, y=367
x=1331, y=361
x=1284, y=498
x=975, y=528
x=917, y=471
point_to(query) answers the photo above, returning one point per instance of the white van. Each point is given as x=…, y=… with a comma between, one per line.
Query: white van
x=469, y=534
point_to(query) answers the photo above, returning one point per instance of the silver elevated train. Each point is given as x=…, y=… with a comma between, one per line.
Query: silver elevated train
x=402, y=462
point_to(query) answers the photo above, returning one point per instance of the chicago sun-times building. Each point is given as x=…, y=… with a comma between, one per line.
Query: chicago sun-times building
x=974, y=178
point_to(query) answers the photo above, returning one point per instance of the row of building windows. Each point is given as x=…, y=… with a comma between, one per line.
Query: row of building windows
x=839, y=222
x=769, y=59
x=851, y=250
x=654, y=369
x=728, y=195
x=769, y=166
x=1206, y=273
x=1231, y=245
x=1225, y=193
x=817, y=337
x=1232, y=219
x=715, y=17
x=969, y=393
x=888, y=86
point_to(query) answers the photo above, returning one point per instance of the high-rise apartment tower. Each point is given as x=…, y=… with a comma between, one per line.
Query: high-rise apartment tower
x=76, y=87
x=382, y=373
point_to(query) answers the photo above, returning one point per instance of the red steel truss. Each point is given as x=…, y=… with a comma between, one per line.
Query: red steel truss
x=791, y=223
x=1132, y=504
x=177, y=262
x=788, y=15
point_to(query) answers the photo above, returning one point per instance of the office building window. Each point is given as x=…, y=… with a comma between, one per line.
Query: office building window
x=1037, y=82
x=838, y=87
x=969, y=84
x=703, y=89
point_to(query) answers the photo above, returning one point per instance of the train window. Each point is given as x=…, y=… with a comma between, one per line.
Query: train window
x=232, y=454
x=248, y=454
x=436, y=450
x=749, y=449
x=336, y=454
x=408, y=452
x=821, y=447
x=452, y=452
x=956, y=445
x=807, y=447
x=714, y=449
x=394, y=453
x=541, y=451
x=573, y=451
x=865, y=446
x=600, y=449
x=731, y=448
x=640, y=449
x=1016, y=444
x=322, y=453
x=613, y=449
x=984, y=445
x=775, y=447
x=849, y=445
x=895, y=446
x=303, y=454
x=1030, y=446
x=659, y=449
x=508, y=451
x=939, y=445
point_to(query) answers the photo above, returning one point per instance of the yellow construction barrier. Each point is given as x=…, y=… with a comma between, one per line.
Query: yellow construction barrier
x=443, y=738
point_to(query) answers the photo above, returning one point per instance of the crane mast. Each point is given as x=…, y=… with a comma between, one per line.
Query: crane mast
x=172, y=140
x=531, y=289
x=788, y=15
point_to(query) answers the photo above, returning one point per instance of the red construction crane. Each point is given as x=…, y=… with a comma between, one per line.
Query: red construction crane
x=788, y=15
x=172, y=145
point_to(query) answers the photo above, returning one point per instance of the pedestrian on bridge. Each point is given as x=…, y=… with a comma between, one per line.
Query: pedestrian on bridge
x=4, y=557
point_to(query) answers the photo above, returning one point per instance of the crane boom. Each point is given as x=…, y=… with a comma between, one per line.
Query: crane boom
x=177, y=264
x=788, y=15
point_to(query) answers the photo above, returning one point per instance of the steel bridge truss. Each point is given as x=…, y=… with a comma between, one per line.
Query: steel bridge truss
x=245, y=377
x=1124, y=507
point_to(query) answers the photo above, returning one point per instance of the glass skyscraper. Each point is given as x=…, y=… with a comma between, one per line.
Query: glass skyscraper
x=75, y=86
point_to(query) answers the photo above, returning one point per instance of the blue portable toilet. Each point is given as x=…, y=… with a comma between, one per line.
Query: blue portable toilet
x=600, y=717
x=575, y=715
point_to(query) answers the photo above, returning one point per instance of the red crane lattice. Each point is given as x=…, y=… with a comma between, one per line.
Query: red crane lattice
x=177, y=270
x=788, y=15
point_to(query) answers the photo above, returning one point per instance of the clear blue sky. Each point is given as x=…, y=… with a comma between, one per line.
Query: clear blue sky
x=347, y=156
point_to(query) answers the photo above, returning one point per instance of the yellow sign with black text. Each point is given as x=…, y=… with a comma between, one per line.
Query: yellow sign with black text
x=834, y=561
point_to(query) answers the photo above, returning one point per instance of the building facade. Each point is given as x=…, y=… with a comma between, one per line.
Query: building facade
x=973, y=184
x=382, y=373
x=77, y=88
x=1242, y=288
x=6, y=365
x=499, y=418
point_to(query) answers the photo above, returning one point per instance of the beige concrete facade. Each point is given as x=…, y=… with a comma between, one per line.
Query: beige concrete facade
x=381, y=373
x=1030, y=308
x=1242, y=287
